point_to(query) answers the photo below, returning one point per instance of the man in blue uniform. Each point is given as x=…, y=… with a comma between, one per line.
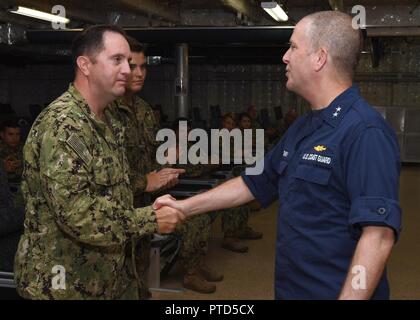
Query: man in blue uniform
x=335, y=173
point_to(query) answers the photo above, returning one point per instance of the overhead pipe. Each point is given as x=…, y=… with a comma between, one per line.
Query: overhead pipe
x=11, y=34
x=245, y=8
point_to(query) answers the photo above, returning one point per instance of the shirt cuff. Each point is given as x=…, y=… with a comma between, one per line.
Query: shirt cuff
x=375, y=211
x=140, y=184
x=261, y=189
x=145, y=221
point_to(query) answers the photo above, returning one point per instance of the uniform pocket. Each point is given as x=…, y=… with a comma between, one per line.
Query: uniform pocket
x=108, y=171
x=318, y=175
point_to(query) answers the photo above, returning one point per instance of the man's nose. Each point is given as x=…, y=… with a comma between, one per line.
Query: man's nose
x=286, y=57
x=139, y=72
x=126, y=68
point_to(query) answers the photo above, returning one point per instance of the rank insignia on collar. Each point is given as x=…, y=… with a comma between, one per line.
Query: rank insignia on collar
x=320, y=148
x=337, y=112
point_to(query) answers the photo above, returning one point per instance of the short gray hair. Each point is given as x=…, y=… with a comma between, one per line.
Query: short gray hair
x=334, y=30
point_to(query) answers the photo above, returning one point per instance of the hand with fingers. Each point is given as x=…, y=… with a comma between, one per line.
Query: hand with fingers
x=168, y=201
x=163, y=179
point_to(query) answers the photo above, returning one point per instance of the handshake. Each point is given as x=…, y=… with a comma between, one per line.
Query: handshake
x=169, y=213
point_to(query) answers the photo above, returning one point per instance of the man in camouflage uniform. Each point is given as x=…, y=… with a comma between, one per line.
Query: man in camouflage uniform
x=141, y=128
x=79, y=205
x=11, y=150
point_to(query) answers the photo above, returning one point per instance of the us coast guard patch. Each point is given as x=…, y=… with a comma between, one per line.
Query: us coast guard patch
x=316, y=158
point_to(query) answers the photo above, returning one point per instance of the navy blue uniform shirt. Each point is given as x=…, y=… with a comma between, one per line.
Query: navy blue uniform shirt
x=335, y=171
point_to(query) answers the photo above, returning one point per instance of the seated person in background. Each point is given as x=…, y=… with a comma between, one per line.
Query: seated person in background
x=253, y=114
x=11, y=150
x=245, y=122
x=235, y=220
x=11, y=224
x=284, y=124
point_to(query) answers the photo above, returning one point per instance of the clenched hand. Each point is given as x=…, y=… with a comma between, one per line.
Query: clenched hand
x=168, y=218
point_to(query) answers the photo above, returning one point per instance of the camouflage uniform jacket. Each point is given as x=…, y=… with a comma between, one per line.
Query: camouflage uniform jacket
x=141, y=127
x=79, y=211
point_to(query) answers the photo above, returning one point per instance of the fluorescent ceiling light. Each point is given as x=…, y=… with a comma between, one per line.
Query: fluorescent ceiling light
x=274, y=10
x=39, y=15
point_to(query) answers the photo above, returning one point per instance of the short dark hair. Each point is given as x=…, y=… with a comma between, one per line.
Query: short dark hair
x=135, y=46
x=11, y=122
x=229, y=115
x=244, y=115
x=90, y=41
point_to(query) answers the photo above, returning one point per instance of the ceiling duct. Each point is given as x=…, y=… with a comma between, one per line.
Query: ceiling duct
x=152, y=8
x=207, y=35
x=245, y=8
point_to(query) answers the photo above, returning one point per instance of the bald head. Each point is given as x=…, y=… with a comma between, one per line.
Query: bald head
x=333, y=30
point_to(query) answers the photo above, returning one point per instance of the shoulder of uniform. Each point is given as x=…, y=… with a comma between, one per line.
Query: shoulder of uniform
x=142, y=103
x=72, y=129
x=365, y=115
x=360, y=119
x=62, y=116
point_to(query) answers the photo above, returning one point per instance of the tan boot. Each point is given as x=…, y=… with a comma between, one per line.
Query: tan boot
x=234, y=244
x=196, y=283
x=210, y=275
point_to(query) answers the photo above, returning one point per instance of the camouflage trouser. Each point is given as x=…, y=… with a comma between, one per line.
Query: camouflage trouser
x=195, y=234
x=142, y=250
x=139, y=271
x=234, y=220
x=131, y=292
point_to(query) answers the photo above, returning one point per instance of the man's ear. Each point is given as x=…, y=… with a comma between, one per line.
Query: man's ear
x=83, y=63
x=2, y=135
x=321, y=59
